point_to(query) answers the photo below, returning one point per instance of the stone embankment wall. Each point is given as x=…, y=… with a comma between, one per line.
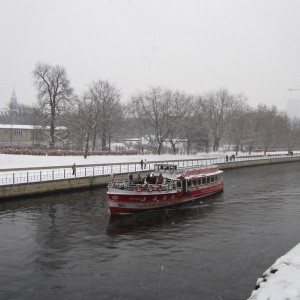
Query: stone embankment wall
x=46, y=187
x=53, y=186
x=249, y=163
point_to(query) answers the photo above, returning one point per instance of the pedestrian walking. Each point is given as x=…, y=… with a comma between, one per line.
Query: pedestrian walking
x=142, y=164
x=145, y=163
x=74, y=170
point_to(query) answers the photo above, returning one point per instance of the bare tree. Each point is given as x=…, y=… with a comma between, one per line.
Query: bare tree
x=288, y=132
x=107, y=97
x=267, y=121
x=219, y=107
x=54, y=92
x=153, y=113
x=293, y=134
x=240, y=130
x=84, y=118
x=181, y=114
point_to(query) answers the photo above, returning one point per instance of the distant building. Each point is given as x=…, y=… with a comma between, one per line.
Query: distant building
x=293, y=108
x=13, y=106
x=28, y=135
x=18, y=135
x=10, y=115
x=17, y=113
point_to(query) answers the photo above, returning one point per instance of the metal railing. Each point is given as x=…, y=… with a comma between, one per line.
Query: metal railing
x=28, y=175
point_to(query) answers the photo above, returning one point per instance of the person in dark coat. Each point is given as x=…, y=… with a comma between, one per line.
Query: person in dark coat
x=152, y=179
x=74, y=170
x=142, y=164
x=130, y=179
x=148, y=179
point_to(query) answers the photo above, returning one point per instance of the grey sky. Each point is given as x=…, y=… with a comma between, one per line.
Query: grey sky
x=195, y=46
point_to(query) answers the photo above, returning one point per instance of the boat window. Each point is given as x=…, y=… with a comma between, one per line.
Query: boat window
x=189, y=182
x=216, y=178
x=203, y=180
x=208, y=180
x=212, y=178
x=179, y=184
x=194, y=181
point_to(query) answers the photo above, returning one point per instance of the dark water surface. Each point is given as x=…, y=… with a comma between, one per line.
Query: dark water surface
x=67, y=247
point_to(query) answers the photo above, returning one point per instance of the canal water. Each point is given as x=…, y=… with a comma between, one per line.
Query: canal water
x=67, y=246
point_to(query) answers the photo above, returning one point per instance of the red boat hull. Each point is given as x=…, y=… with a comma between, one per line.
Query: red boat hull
x=132, y=202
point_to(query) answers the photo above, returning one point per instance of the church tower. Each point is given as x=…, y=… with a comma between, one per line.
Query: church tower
x=13, y=102
x=13, y=106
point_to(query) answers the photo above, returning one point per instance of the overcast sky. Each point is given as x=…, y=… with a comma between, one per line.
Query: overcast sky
x=195, y=46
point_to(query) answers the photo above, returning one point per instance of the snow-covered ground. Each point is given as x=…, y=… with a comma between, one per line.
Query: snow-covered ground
x=29, y=161
x=282, y=280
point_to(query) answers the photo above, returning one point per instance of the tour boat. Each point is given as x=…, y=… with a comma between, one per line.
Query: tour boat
x=167, y=186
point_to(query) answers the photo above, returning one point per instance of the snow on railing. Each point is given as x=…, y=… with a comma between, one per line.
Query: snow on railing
x=28, y=175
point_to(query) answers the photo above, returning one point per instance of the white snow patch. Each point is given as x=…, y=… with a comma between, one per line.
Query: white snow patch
x=281, y=280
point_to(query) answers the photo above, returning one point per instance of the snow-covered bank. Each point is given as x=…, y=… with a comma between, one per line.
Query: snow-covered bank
x=281, y=280
x=28, y=161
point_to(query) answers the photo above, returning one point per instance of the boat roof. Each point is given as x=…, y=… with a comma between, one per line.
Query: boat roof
x=165, y=167
x=172, y=171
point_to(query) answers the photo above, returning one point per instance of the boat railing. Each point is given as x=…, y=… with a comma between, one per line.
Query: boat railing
x=143, y=187
x=180, y=170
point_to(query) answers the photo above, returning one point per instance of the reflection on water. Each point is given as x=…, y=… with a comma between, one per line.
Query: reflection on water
x=156, y=219
x=67, y=246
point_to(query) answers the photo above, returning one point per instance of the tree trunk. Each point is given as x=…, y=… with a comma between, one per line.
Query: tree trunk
x=173, y=145
x=94, y=141
x=52, y=133
x=86, y=151
x=103, y=141
x=216, y=144
x=159, y=149
x=188, y=146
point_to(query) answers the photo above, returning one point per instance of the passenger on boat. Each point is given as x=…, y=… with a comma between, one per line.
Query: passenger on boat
x=130, y=179
x=152, y=179
x=148, y=179
x=160, y=179
x=139, y=179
